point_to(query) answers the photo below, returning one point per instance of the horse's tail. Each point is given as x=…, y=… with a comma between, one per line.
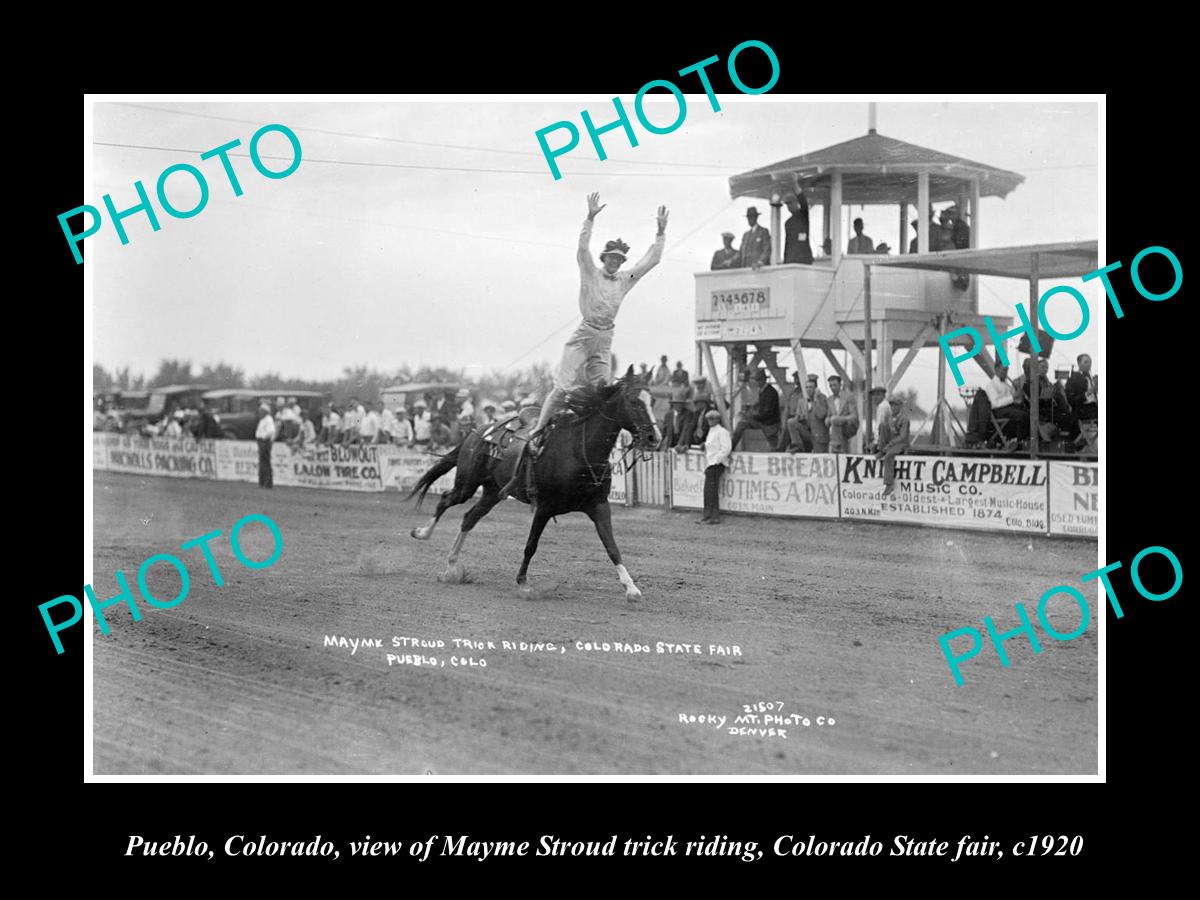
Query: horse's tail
x=440, y=468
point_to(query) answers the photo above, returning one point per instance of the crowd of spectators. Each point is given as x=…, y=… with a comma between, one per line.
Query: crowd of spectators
x=1067, y=408
x=948, y=232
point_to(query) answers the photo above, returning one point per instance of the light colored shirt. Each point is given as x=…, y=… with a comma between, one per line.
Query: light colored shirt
x=174, y=430
x=467, y=411
x=353, y=417
x=422, y=426
x=718, y=446
x=860, y=245
x=308, y=432
x=600, y=294
x=370, y=425
x=333, y=420
x=387, y=421
x=1000, y=393
x=402, y=431
x=266, y=429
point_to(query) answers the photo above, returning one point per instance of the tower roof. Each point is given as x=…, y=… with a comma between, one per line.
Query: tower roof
x=875, y=169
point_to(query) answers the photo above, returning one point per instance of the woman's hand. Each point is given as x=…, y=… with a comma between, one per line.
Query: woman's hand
x=662, y=219
x=594, y=205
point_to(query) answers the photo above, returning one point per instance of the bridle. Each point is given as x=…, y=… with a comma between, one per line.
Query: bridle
x=642, y=431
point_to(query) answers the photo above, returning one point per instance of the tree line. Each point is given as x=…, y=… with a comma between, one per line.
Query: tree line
x=363, y=382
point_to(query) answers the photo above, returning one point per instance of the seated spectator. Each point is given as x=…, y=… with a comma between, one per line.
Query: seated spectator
x=882, y=248
x=174, y=425
x=795, y=436
x=1082, y=391
x=843, y=416
x=727, y=256
x=860, y=243
x=489, y=414
x=679, y=425
x=702, y=402
x=894, y=436
x=680, y=375
x=763, y=415
x=818, y=414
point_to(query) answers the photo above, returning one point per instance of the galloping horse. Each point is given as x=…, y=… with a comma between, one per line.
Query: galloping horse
x=571, y=474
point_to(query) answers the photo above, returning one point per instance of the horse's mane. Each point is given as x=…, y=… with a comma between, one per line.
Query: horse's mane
x=586, y=401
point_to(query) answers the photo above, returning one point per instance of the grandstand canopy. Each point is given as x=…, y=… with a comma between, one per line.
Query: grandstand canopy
x=1068, y=260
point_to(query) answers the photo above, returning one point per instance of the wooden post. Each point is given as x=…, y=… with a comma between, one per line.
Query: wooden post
x=941, y=385
x=1034, y=375
x=776, y=233
x=867, y=346
x=825, y=225
x=716, y=388
x=904, y=226
x=835, y=218
x=923, y=212
x=974, y=214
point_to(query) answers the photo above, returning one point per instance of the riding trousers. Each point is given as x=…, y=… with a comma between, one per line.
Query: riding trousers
x=587, y=358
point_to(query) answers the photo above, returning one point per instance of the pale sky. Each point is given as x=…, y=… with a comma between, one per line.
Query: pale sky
x=382, y=265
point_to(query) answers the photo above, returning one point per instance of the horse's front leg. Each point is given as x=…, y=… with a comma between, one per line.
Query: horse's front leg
x=540, y=518
x=601, y=515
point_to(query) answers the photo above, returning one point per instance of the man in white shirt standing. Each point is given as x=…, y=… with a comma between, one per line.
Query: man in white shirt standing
x=368, y=430
x=265, y=435
x=332, y=430
x=422, y=423
x=352, y=421
x=402, y=432
x=718, y=450
x=387, y=424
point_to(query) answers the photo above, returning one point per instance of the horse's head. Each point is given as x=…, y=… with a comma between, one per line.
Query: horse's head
x=634, y=411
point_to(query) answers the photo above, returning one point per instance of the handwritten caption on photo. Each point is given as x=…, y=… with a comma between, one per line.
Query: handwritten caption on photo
x=764, y=718
x=438, y=647
x=126, y=596
x=549, y=845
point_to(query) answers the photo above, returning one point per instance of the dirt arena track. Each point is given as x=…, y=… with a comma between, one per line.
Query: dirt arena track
x=835, y=619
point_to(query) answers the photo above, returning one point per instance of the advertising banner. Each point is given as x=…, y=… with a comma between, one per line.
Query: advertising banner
x=1074, y=498
x=401, y=468
x=162, y=456
x=950, y=491
x=100, y=442
x=347, y=468
x=771, y=484
x=237, y=461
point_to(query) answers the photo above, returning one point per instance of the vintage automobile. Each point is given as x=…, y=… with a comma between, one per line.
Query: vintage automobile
x=236, y=409
x=405, y=395
x=161, y=402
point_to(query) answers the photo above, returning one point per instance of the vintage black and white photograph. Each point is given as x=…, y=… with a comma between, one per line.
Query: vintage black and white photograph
x=518, y=436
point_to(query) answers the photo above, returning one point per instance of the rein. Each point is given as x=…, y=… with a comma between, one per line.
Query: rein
x=606, y=469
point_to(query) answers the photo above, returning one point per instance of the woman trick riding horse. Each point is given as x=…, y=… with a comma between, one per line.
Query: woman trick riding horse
x=587, y=357
x=572, y=475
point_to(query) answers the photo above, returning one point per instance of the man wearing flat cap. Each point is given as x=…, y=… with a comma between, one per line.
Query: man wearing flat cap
x=893, y=440
x=726, y=257
x=264, y=434
x=764, y=415
x=755, y=251
x=843, y=417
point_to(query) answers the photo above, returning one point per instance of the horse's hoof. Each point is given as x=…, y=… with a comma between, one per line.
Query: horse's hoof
x=524, y=591
x=421, y=534
x=632, y=595
x=454, y=574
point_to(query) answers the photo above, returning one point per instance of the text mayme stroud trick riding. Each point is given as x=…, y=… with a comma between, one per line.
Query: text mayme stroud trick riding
x=567, y=469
